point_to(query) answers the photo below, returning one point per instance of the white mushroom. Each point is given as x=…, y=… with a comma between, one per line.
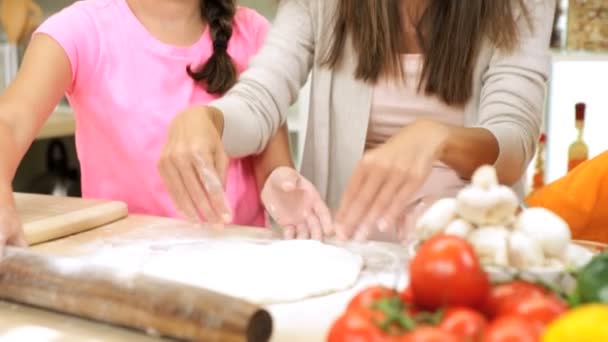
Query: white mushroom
x=576, y=256
x=552, y=263
x=548, y=229
x=494, y=206
x=490, y=244
x=459, y=227
x=485, y=177
x=524, y=252
x=434, y=220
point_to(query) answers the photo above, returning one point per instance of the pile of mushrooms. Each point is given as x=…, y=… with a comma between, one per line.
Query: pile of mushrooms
x=485, y=213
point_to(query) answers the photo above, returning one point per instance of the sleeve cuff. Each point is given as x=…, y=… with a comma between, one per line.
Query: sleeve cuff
x=236, y=143
x=511, y=153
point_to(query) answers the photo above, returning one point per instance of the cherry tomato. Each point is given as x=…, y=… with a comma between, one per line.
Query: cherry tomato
x=537, y=310
x=510, y=329
x=357, y=325
x=465, y=323
x=367, y=297
x=427, y=334
x=446, y=272
x=514, y=291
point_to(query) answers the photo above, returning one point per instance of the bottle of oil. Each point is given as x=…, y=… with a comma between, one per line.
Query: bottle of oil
x=578, y=151
x=538, y=179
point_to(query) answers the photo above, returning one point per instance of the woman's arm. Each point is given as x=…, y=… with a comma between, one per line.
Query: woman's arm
x=255, y=108
x=466, y=149
x=245, y=118
x=512, y=99
x=275, y=155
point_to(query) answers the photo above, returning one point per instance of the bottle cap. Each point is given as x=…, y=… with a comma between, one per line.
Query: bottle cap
x=543, y=138
x=580, y=111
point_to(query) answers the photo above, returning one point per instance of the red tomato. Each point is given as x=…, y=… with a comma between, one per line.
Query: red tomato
x=367, y=297
x=427, y=334
x=510, y=329
x=537, y=310
x=407, y=298
x=465, y=323
x=446, y=272
x=504, y=293
x=357, y=325
x=407, y=295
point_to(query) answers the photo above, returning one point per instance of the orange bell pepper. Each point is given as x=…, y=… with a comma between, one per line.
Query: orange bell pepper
x=580, y=198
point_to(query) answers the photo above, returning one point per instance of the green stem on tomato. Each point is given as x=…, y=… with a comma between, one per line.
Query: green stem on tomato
x=393, y=310
x=432, y=318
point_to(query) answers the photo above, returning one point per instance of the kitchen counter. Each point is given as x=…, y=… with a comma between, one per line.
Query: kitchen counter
x=59, y=124
x=300, y=321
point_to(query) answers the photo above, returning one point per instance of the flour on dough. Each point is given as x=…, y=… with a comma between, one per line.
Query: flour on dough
x=277, y=272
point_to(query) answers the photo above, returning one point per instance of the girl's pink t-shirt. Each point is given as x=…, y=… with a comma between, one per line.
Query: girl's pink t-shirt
x=126, y=88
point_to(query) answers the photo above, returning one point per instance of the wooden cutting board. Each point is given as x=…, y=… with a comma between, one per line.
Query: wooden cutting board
x=303, y=321
x=46, y=218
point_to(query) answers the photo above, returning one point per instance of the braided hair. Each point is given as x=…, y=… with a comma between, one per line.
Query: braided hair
x=219, y=73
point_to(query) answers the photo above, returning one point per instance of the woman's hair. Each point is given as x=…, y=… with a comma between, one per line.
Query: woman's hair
x=219, y=73
x=449, y=32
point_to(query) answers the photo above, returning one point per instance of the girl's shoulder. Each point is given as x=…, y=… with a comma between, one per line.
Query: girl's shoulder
x=249, y=16
x=249, y=25
x=86, y=15
x=88, y=7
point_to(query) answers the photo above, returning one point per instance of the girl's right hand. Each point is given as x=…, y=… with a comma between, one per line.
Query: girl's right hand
x=11, y=232
x=193, y=165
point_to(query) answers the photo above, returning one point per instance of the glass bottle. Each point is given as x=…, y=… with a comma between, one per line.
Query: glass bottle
x=578, y=151
x=538, y=180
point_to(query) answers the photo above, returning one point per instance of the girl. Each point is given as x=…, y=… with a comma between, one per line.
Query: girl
x=127, y=67
x=408, y=98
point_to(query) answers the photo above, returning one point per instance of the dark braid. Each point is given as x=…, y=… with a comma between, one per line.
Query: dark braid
x=218, y=74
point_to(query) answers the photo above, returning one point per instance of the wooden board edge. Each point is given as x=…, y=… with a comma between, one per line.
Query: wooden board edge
x=43, y=231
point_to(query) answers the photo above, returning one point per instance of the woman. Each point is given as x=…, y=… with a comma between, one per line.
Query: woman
x=408, y=99
x=127, y=67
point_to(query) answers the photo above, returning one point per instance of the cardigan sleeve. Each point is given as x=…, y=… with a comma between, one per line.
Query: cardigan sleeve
x=513, y=93
x=256, y=106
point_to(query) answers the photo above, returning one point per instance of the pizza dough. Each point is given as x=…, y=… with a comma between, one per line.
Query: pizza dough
x=277, y=272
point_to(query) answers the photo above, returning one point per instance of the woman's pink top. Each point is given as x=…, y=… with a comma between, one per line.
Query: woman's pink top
x=397, y=103
x=127, y=87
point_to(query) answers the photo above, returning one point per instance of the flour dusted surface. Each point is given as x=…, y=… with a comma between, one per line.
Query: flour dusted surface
x=262, y=273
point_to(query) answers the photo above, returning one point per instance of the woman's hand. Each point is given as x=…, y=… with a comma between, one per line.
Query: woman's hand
x=294, y=203
x=193, y=165
x=11, y=232
x=380, y=190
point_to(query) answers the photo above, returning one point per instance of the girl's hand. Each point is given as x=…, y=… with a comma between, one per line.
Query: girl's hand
x=294, y=203
x=381, y=187
x=193, y=165
x=11, y=232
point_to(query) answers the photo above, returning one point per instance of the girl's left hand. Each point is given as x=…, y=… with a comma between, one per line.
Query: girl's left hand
x=381, y=187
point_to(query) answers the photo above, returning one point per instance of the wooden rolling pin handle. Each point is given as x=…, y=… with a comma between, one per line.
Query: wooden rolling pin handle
x=149, y=304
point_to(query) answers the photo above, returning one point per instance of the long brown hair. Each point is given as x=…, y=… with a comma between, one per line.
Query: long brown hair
x=219, y=73
x=449, y=33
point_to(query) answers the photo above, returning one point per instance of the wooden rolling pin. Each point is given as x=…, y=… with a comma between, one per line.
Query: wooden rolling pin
x=153, y=305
